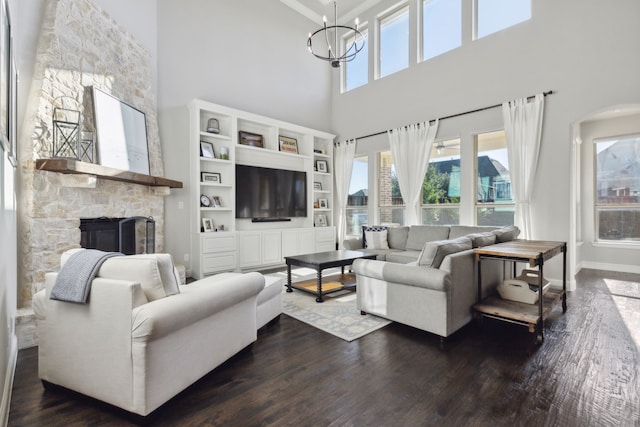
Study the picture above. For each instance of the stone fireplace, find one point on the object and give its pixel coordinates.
(80, 46)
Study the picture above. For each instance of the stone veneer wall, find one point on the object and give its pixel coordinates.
(80, 46)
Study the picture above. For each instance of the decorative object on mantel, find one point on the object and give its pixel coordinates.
(328, 38)
(66, 133)
(87, 147)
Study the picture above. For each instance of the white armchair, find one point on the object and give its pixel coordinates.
(134, 353)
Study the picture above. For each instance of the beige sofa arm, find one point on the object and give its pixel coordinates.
(194, 302)
(412, 275)
(353, 244)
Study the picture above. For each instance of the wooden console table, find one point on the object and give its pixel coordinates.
(536, 253)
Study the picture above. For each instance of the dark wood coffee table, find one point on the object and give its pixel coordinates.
(320, 261)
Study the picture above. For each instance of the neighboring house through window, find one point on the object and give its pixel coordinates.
(441, 186)
(617, 189)
(494, 202)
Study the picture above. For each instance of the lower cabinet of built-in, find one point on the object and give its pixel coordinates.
(229, 251)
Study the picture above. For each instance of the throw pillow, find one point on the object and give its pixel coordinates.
(434, 252)
(506, 234)
(366, 228)
(168, 273)
(377, 239)
(479, 240)
(142, 270)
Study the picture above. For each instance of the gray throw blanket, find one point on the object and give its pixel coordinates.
(73, 283)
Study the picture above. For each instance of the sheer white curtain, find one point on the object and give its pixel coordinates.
(411, 149)
(523, 130)
(343, 155)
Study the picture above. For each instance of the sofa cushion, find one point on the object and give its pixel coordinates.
(397, 237)
(506, 234)
(376, 239)
(434, 252)
(366, 228)
(479, 240)
(463, 230)
(403, 257)
(420, 234)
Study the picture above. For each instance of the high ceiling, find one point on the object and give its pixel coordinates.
(348, 10)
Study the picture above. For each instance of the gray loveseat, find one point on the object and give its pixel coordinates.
(427, 277)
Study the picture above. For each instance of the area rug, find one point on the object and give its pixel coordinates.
(337, 315)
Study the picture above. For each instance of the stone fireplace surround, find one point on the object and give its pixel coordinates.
(79, 46)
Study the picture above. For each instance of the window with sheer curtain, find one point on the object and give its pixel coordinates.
(390, 203)
(441, 186)
(358, 200)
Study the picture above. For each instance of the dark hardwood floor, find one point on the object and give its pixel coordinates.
(586, 373)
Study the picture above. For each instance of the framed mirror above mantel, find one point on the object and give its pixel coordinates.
(71, 166)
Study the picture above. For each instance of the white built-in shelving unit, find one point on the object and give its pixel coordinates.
(240, 244)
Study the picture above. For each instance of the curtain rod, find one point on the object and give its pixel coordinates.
(477, 110)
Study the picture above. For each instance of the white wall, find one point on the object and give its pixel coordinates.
(246, 54)
(585, 51)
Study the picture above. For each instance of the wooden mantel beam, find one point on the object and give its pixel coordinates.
(70, 166)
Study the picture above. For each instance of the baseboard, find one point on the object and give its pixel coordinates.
(8, 381)
(611, 267)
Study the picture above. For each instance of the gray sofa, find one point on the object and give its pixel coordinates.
(427, 277)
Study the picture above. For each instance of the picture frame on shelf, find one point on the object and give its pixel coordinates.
(210, 177)
(322, 221)
(323, 204)
(206, 150)
(207, 225)
(250, 139)
(288, 145)
(316, 205)
(317, 186)
(321, 166)
(217, 203)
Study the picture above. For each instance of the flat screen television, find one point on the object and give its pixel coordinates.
(266, 193)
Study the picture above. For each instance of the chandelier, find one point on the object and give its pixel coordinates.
(327, 39)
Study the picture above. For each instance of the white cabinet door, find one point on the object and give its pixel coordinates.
(306, 241)
(271, 247)
(250, 249)
(290, 243)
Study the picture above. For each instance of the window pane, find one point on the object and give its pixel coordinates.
(495, 215)
(493, 183)
(357, 71)
(441, 184)
(389, 195)
(441, 215)
(618, 188)
(357, 212)
(441, 26)
(493, 180)
(394, 42)
(496, 15)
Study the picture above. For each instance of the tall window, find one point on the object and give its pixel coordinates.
(357, 211)
(617, 189)
(441, 187)
(495, 15)
(394, 41)
(441, 26)
(390, 203)
(356, 72)
(494, 203)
